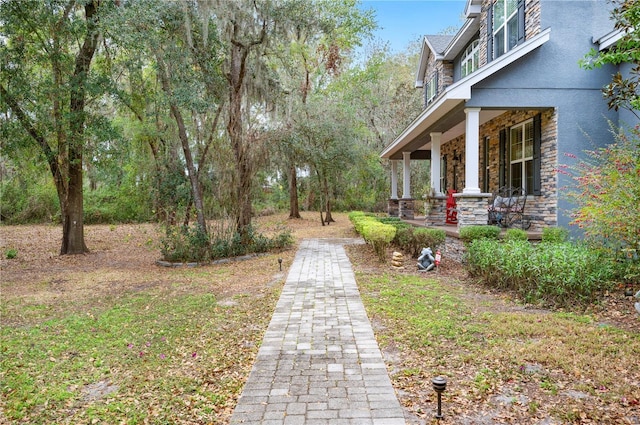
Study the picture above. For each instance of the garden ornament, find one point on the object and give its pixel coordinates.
(426, 261)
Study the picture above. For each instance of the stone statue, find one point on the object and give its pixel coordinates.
(426, 262)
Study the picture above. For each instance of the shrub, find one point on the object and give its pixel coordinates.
(555, 234)
(560, 275)
(185, 244)
(191, 244)
(515, 235)
(379, 235)
(419, 238)
(471, 233)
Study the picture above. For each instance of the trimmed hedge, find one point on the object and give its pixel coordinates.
(471, 233)
(405, 236)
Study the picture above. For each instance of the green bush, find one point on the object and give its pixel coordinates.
(515, 235)
(191, 244)
(555, 234)
(11, 253)
(412, 240)
(560, 275)
(471, 233)
(379, 235)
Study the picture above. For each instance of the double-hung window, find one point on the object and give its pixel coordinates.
(506, 26)
(470, 59)
(521, 156)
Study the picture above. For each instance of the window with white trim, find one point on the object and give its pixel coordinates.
(505, 26)
(431, 89)
(443, 174)
(521, 156)
(470, 59)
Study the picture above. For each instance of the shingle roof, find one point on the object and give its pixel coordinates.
(439, 42)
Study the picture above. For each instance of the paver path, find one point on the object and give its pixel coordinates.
(319, 362)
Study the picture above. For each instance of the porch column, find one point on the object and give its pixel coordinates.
(394, 179)
(435, 163)
(406, 203)
(406, 170)
(471, 151)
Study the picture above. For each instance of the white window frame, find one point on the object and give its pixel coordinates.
(523, 159)
(470, 59)
(431, 89)
(504, 25)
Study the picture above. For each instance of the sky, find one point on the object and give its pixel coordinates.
(404, 21)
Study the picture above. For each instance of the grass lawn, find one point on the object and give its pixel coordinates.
(504, 363)
(112, 338)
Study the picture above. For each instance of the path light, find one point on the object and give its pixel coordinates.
(280, 263)
(439, 385)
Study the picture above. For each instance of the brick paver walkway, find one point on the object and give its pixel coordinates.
(319, 362)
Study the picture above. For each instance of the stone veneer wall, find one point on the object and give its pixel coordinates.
(406, 209)
(438, 212)
(542, 209)
(472, 209)
(393, 207)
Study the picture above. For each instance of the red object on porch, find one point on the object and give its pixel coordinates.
(452, 212)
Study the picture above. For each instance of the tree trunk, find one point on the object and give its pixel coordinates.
(243, 162)
(73, 214)
(184, 140)
(294, 209)
(327, 202)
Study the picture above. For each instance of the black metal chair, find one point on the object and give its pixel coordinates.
(507, 208)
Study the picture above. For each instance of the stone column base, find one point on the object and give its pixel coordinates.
(406, 209)
(472, 208)
(393, 207)
(438, 210)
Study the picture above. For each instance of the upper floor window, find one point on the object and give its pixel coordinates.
(470, 59)
(506, 26)
(431, 89)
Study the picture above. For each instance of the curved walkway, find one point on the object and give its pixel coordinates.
(319, 362)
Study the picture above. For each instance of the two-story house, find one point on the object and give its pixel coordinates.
(506, 103)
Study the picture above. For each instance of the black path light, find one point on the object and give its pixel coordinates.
(439, 385)
(280, 263)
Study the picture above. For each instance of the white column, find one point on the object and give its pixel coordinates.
(406, 177)
(394, 179)
(472, 151)
(435, 163)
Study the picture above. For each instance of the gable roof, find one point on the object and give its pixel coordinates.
(438, 43)
(447, 47)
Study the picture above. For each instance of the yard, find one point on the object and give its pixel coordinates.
(111, 337)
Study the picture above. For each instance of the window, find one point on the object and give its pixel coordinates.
(521, 156)
(485, 164)
(506, 27)
(443, 174)
(470, 59)
(431, 89)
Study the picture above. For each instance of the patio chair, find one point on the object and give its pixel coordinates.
(507, 208)
(452, 212)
